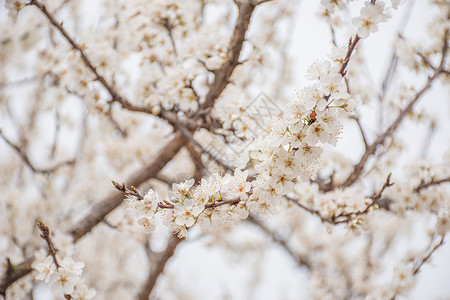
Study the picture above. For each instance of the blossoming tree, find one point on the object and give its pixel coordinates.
(163, 98)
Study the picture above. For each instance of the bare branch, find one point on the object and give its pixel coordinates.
(14, 273)
(100, 209)
(45, 235)
(428, 256)
(351, 47)
(197, 160)
(361, 130)
(18, 82)
(157, 266)
(223, 74)
(424, 185)
(116, 125)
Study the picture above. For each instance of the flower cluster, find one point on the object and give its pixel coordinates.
(67, 273)
(218, 197)
(372, 14)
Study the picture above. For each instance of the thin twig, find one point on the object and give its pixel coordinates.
(14, 273)
(18, 82)
(45, 235)
(428, 256)
(424, 185)
(132, 191)
(361, 130)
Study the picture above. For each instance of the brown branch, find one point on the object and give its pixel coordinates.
(223, 74)
(19, 82)
(351, 47)
(166, 204)
(424, 185)
(361, 130)
(45, 235)
(116, 125)
(166, 24)
(111, 90)
(157, 266)
(14, 273)
(197, 160)
(375, 198)
(427, 257)
(100, 209)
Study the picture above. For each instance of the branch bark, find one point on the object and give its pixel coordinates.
(104, 207)
(223, 74)
(157, 267)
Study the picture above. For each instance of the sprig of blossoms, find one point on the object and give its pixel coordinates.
(63, 270)
(187, 205)
(67, 274)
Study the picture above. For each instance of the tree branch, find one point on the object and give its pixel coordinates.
(361, 130)
(427, 257)
(424, 185)
(100, 209)
(223, 74)
(14, 273)
(157, 266)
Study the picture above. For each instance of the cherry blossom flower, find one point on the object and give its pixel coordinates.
(46, 269)
(371, 16)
